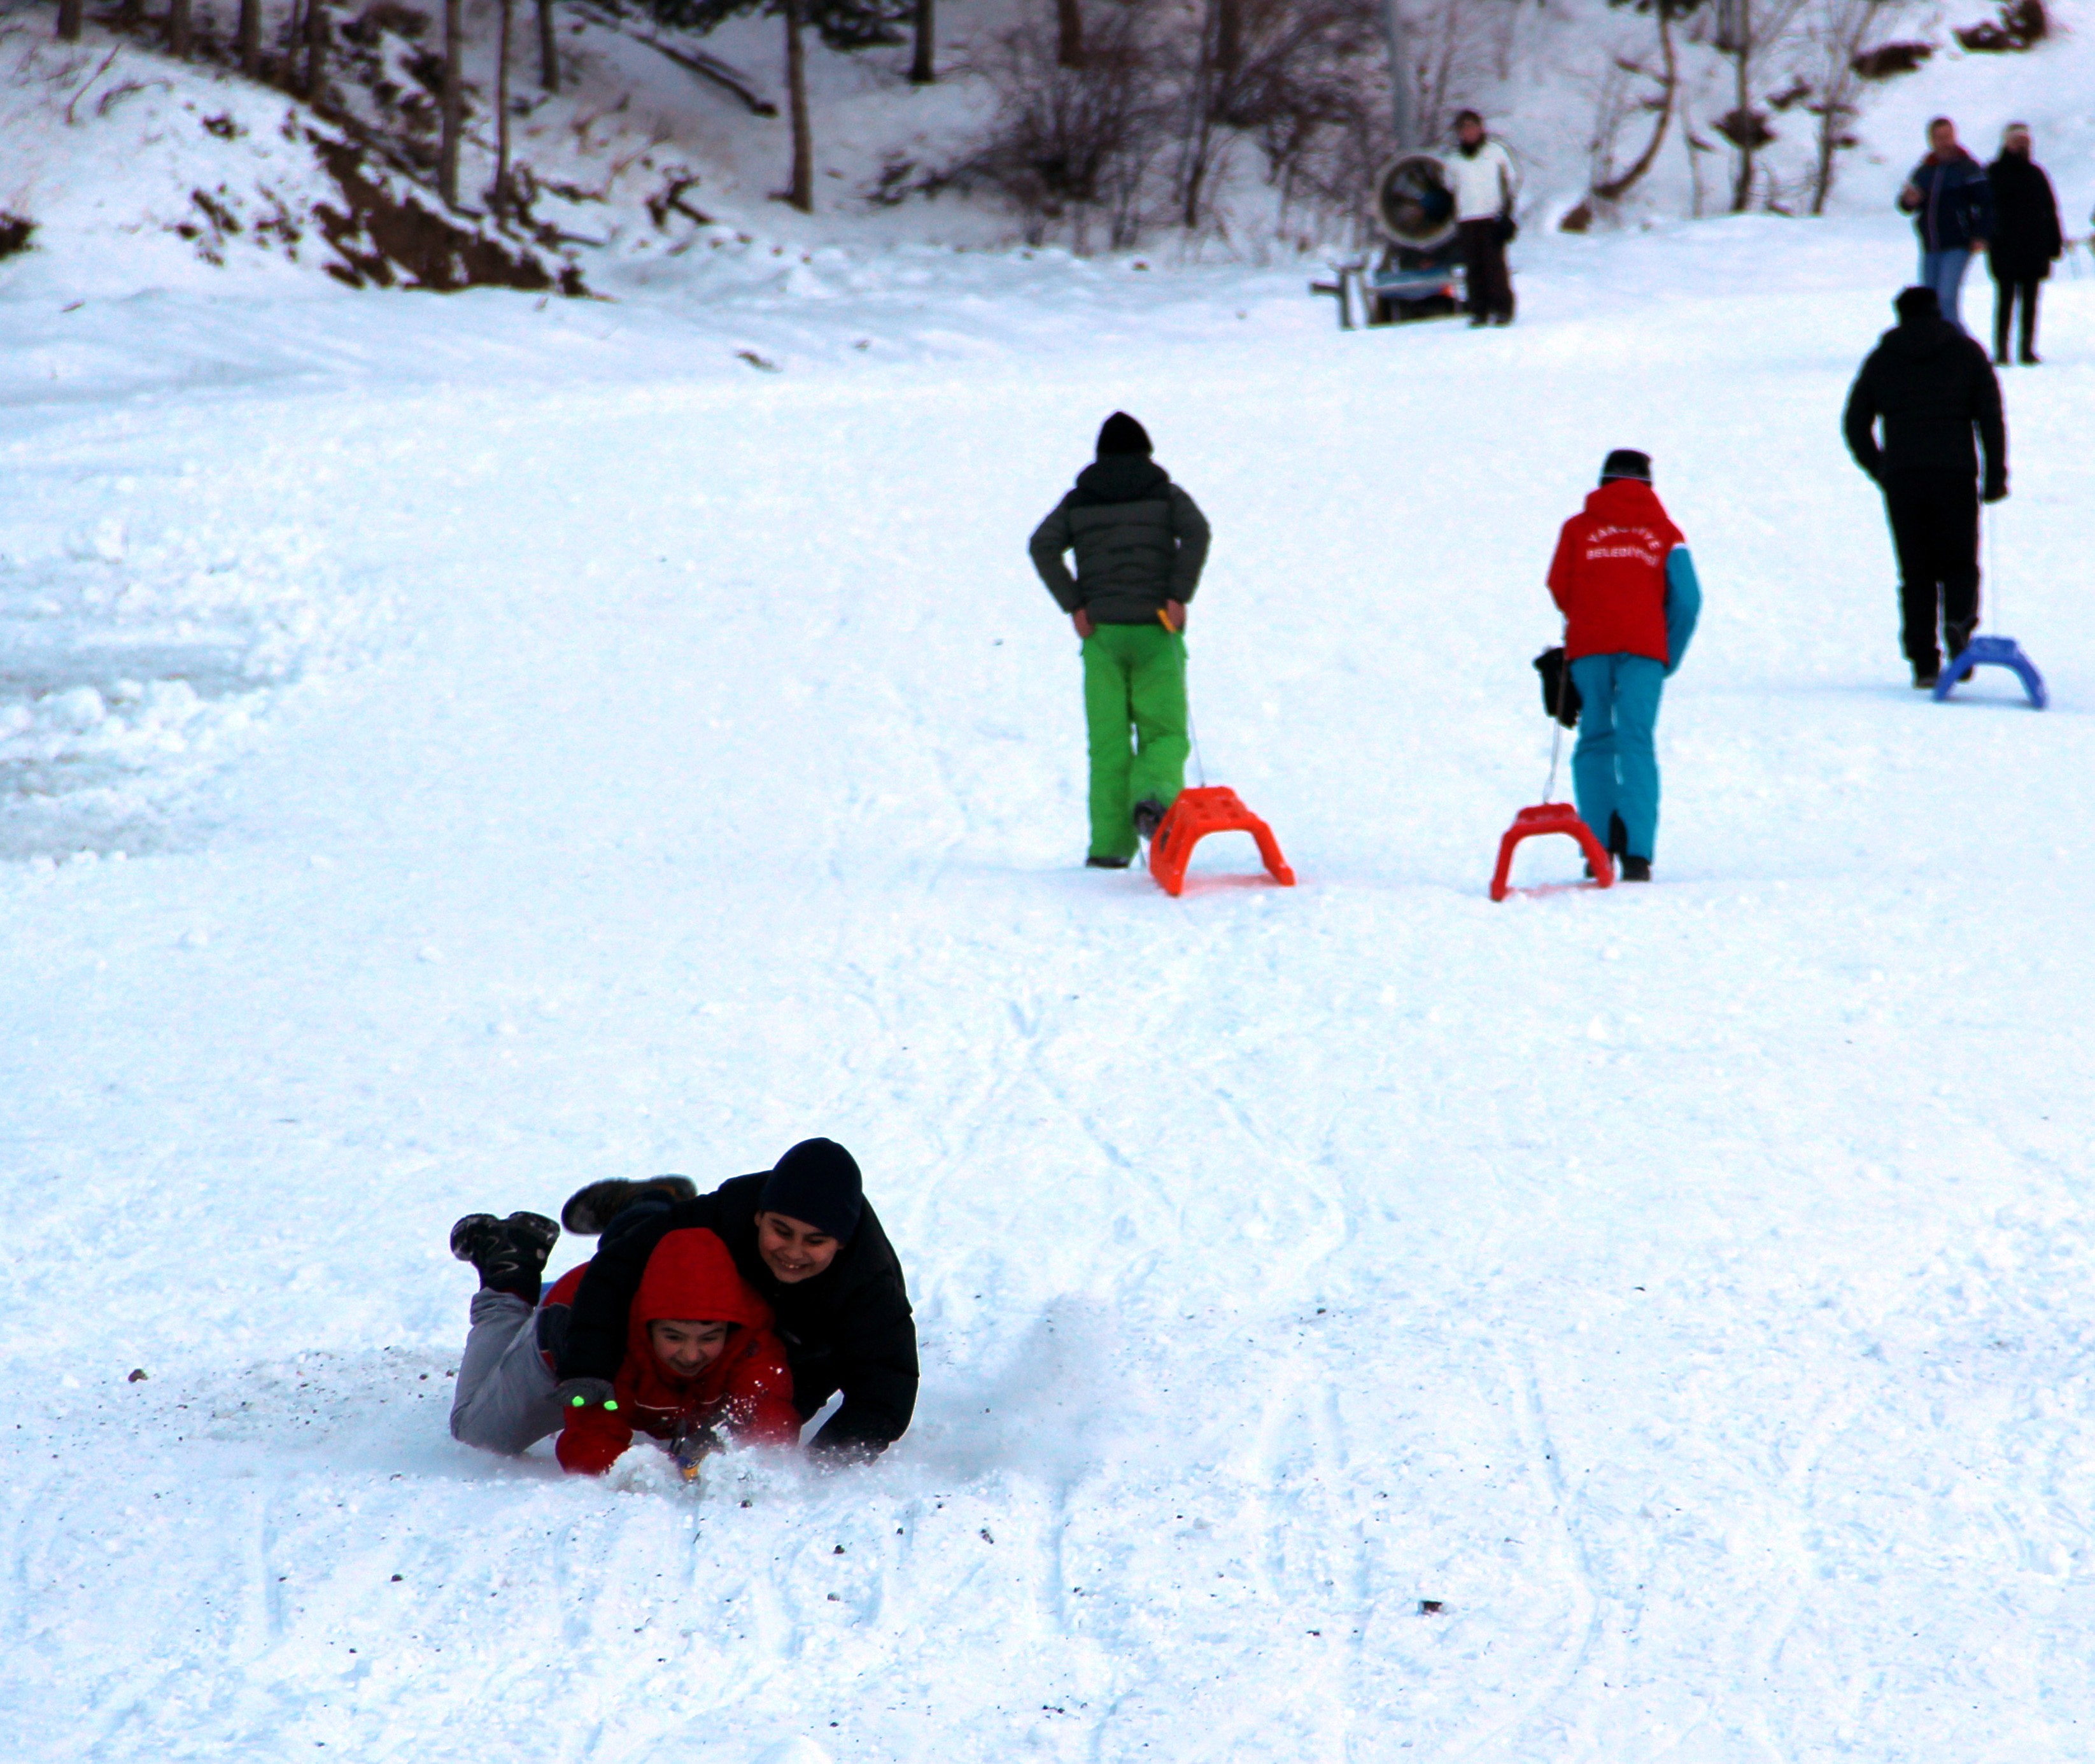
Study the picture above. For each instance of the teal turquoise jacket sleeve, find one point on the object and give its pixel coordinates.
(1684, 605)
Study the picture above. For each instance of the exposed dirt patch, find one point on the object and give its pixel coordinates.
(15, 233)
(385, 237)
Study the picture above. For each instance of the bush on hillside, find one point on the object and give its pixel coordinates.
(14, 232)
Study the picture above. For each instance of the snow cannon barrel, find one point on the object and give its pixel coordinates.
(1413, 206)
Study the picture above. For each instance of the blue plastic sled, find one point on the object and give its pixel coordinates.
(1997, 652)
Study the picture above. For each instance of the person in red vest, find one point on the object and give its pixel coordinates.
(700, 1360)
(1626, 587)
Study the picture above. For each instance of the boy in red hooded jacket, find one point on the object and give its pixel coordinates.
(699, 1353)
(1626, 587)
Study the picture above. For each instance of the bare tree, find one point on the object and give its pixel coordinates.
(1749, 33)
(549, 48)
(249, 32)
(1835, 31)
(316, 48)
(801, 191)
(921, 70)
(179, 31)
(69, 20)
(1610, 185)
(454, 102)
(1070, 32)
(499, 196)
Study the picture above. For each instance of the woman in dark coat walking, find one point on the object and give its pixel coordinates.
(2026, 238)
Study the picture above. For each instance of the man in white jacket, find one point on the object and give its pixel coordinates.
(1485, 184)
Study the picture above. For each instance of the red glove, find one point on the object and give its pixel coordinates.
(595, 1437)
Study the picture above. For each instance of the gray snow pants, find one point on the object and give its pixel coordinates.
(505, 1399)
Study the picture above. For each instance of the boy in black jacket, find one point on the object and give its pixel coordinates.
(803, 1236)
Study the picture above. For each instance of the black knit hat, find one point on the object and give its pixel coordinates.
(1913, 304)
(1627, 462)
(1122, 434)
(816, 1183)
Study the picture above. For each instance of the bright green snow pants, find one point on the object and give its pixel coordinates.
(1134, 680)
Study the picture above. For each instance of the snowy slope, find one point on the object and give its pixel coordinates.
(613, 758)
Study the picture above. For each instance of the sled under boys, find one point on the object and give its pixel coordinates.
(1626, 586)
(697, 1353)
(803, 1236)
(1140, 542)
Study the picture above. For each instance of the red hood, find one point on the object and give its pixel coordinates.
(692, 1278)
(1628, 502)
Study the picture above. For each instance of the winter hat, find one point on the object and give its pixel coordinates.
(1914, 304)
(816, 1183)
(1627, 462)
(1122, 433)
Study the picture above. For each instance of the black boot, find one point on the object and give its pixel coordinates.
(1148, 818)
(1107, 863)
(589, 1210)
(1636, 869)
(509, 1255)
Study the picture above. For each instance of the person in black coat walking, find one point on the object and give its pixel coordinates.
(2026, 238)
(1932, 386)
(803, 1235)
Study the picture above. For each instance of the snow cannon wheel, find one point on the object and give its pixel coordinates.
(1198, 813)
(1550, 817)
(1414, 206)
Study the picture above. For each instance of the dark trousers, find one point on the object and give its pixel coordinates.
(1489, 287)
(1934, 530)
(2005, 294)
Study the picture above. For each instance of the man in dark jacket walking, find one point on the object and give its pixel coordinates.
(1932, 386)
(1140, 543)
(2026, 238)
(1952, 208)
(803, 1236)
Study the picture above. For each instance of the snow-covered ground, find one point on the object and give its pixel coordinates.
(541, 745)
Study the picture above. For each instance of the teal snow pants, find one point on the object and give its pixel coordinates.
(1614, 768)
(1134, 684)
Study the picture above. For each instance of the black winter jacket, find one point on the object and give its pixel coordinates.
(1139, 540)
(1933, 385)
(1956, 202)
(2027, 236)
(848, 1329)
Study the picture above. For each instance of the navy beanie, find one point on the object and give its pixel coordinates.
(1122, 434)
(1627, 462)
(816, 1183)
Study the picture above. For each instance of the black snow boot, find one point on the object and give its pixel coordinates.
(589, 1210)
(1106, 862)
(508, 1254)
(1636, 869)
(1148, 818)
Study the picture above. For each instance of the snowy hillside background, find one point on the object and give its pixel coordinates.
(454, 749)
(141, 171)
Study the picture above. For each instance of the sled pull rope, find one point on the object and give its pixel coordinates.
(1557, 728)
(1192, 729)
(1988, 528)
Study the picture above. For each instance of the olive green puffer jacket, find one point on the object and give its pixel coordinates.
(1138, 538)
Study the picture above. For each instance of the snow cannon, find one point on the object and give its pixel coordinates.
(1417, 275)
(1414, 206)
(1199, 812)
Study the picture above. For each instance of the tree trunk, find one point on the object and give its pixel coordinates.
(178, 29)
(1069, 27)
(1617, 187)
(549, 48)
(454, 117)
(317, 40)
(249, 33)
(1742, 59)
(499, 197)
(802, 194)
(69, 12)
(1229, 38)
(921, 71)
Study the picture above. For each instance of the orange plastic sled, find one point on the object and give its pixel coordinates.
(1549, 817)
(1198, 813)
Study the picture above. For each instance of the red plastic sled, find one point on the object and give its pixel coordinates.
(1198, 813)
(1550, 817)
